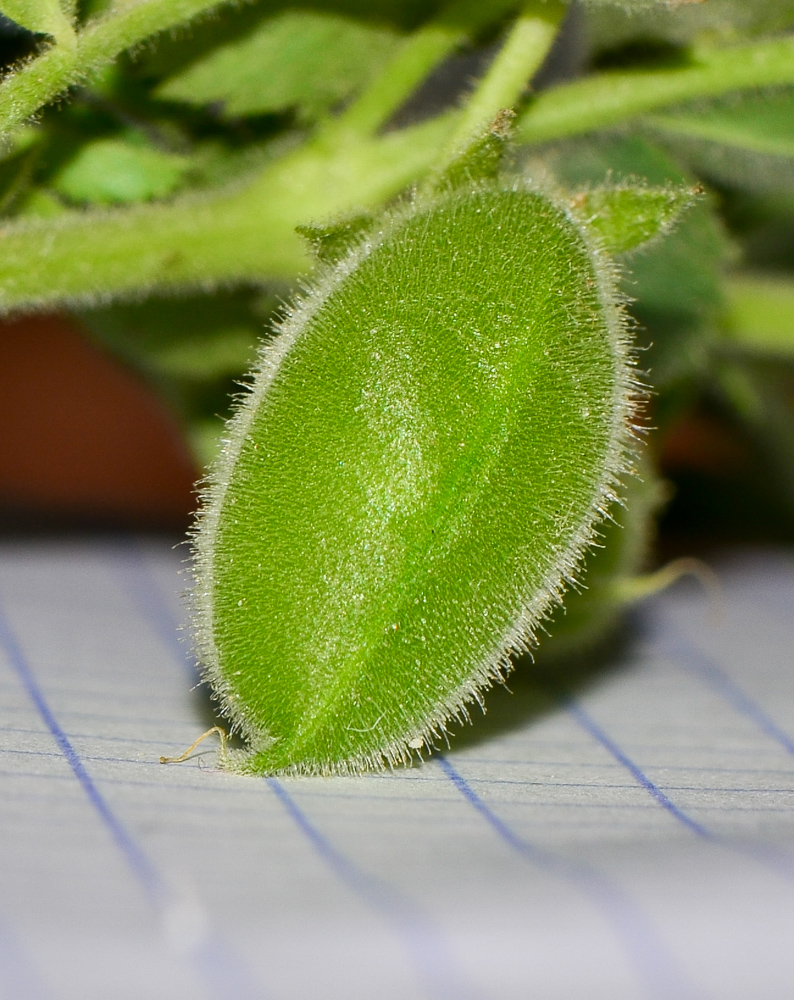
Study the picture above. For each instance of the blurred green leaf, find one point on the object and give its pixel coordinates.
(195, 337)
(759, 122)
(17, 164)
(193, 348)
(588, 614)
(629, 215)
(759, 314)
(44, 17)
(761, 393)
(300, 59)
(169, 54)
(675, 284)
(746, 140)
(41, 203)
(228, 351)
(615, 24)
(115, 171)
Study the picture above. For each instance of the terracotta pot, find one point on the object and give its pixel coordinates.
(83, 439)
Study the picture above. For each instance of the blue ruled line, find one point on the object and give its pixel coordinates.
(687, 656)
(770, 857)
(141, 587)
(691, 659)
(19, 978)
(209, 954)
(427, 950)
(653, 965)
(589, 724)
(135, 858)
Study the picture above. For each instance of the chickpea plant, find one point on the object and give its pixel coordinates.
(439, 426)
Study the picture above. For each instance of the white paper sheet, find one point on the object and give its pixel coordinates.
(635, 841)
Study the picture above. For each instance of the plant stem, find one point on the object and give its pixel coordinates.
(418, 56)
(607, 99)
(247, 233)
(42, 79)
(519, 58)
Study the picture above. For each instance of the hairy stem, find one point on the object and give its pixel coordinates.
(607, 99)
(246, 233)
(418, 56)
(520, 57)
(42, 79)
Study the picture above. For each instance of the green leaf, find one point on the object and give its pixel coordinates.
(416, 473)
(189, 338)
(333, 241)
(41, 16)
(747, 141)
(602, 100)
(627, 216)
(480, 158)
(168, 55)
(115, 171)
(634, 7)
(761, 391)
(41, 204)
(17, 165)
(302, 60)
(78, 57)
(591, 612)
(194, 349)
(612, 24)
(759, 314)
(675, 283)
(229, 352)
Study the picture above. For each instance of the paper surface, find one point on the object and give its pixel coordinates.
(636, 841)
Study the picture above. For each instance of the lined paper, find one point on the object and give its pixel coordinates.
(628, 835)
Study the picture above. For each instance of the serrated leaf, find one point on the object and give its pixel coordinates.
(300, 59)
(114, 171)
(627, 216)
(40, 16)
(747, 140)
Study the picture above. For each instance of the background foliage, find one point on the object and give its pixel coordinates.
(157, 157)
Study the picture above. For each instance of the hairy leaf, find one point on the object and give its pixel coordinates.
(592, 611)
(416, 473)
(628, 216)
(676, 284)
